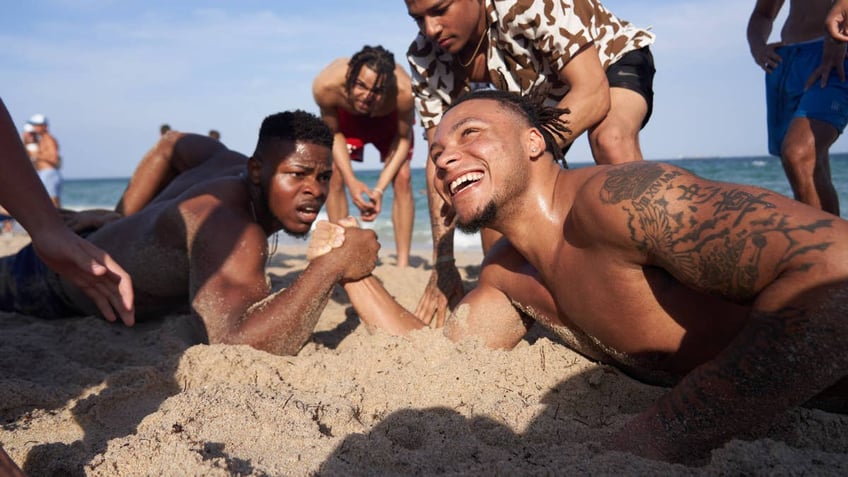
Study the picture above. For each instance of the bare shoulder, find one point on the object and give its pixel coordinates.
(328, 82)
(705, 231)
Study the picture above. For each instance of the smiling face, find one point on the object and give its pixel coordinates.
(478, 149)
(448, 23)
(294, 177)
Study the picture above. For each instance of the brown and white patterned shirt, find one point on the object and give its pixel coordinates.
(529, 42)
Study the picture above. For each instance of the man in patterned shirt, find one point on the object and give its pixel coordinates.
(576, 53)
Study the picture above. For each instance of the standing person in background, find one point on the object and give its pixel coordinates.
(47, 161)
(30, 140)
(368, 99)
(806, 94)
(575, 53)
(88, 267)
(214, 134)
(164, 128)
(837, 20)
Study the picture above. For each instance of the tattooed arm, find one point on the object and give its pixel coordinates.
(787, 260)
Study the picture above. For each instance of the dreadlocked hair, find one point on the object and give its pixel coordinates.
(294, 126)
(377, 58)
(548, 120)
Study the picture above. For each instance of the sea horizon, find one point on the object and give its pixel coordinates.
(763, 171)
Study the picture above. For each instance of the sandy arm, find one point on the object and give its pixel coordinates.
(230, 293)
(748, 245)
(485, 313)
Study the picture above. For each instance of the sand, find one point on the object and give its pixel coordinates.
(86, 397)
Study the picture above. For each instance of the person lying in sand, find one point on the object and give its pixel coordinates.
(735, 295)
(197, 217)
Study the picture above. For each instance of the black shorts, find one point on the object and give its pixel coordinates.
(635, 71)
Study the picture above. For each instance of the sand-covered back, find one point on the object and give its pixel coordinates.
(83, 396)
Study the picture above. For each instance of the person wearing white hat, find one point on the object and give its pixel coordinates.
(46, 159)
(68, 254)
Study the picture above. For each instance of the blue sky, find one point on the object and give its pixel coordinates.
(107, 73)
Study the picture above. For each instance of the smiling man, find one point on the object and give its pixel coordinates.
(575, 53)
(733, 295)
(367, 99)
(194, 238)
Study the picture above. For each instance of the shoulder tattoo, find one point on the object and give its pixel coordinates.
(709, 235)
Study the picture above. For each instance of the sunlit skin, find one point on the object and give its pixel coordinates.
(612, 117)
(370, 97)
(732, 294)
(203, 213)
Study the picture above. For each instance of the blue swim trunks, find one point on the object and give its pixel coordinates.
(29, 287)
(786, 98)
(52, 180)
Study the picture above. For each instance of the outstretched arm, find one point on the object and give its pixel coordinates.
(787, 260)
(85, 265)
(175, 152)
(232, 297)
(485, 314)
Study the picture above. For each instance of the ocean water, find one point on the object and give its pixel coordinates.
(763, 171)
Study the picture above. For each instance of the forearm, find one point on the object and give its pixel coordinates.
(21, 192)
(587, 105)
(399, 154)
(781, 359)
(378, 309)
(341, 159)
(759, 28)
(283, 322)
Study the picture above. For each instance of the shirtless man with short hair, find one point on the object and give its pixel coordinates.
(194, 238)
(46, 159)
(368, 99)
(735, 295)
(806, 94)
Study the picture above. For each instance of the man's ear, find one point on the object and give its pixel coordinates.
(536, 146)
(254, 170)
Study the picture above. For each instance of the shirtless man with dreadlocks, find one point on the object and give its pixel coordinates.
(368, 99)
(734, 296)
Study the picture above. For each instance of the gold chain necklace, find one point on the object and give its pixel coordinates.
(477, 49)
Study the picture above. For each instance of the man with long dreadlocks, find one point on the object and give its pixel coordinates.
(734, 296)
(194, 237)
(368, 99)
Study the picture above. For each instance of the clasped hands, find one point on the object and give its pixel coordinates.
(353, 248)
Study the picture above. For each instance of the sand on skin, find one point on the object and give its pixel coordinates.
(85, 397)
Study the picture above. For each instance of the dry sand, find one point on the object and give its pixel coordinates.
(83, 396)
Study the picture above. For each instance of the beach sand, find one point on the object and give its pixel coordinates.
(83, 396)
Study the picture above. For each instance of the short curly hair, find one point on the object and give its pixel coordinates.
(296, 125)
